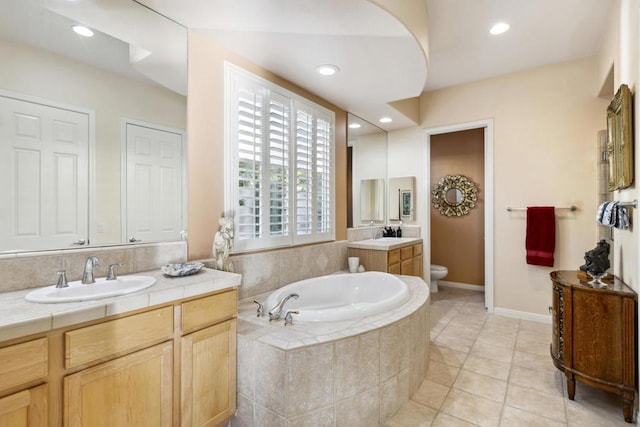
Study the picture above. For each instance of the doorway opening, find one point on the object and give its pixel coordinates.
(486, 194)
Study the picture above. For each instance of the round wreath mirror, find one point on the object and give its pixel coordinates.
(454, 195)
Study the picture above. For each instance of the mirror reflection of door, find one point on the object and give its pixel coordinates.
(44, 174)
(155, 184)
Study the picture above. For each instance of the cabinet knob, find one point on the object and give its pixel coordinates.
(550, 309)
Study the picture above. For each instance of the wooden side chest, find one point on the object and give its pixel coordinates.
(594, 335)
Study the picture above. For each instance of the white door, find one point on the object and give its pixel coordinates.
(154, 184)
(44, 176)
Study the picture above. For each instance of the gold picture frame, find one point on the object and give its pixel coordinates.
(620, 139)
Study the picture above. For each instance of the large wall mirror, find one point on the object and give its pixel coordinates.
(92, 128)
(368, 145)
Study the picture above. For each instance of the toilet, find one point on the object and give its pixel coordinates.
(437, 272)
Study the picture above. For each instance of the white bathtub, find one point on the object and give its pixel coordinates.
(342, 296)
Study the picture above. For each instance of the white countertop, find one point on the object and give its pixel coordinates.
(18, 317)
(384, 243)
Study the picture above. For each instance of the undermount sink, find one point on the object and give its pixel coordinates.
(102, 288)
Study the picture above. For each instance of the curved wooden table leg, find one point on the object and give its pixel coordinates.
(571, 386)
(628, 404)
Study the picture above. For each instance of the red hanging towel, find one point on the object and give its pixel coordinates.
(541, 235)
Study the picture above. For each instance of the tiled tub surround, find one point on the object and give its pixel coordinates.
(19, 317)
(25, 270)
(351, 373)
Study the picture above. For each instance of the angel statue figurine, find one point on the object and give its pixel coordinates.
(222, 244)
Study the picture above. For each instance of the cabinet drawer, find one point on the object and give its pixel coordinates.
(406, 253)
(417, 249)
(117, 336)
(394, 257)
(23, 363)
(209, 310)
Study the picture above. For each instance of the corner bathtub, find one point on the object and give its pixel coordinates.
(357, 371)
(339, 297)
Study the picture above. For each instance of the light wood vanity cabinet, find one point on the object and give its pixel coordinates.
(406, 260)
(21, 366)
(208, 377)
(162, 366)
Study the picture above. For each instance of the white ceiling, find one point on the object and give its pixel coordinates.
(379, 61)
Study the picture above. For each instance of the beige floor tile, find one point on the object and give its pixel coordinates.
(461, 331)
(478, 361)
(481, 385)
(489, 367)
(492, 352)
(431, 394)
(499, 340)
(501, 328)
(533, 347)
(442, 373)
(455, 343)
(444, 420)
(412, 415)
(537, 336)
(535, 326)
(535, 401)
(472, 408)
(447, 355)
(548, 382)
(513, 417)
(533, 361)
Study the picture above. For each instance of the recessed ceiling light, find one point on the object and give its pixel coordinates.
(355, 125)
(386, 120)
(499, 28)
(327, 69)
(82, 30)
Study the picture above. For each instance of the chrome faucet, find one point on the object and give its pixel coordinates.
(276, 312)
(87, 274)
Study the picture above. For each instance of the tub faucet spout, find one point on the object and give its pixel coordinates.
(276, 312)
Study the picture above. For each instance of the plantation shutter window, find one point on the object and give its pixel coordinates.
(280, 161)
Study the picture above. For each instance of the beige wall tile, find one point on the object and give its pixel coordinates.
(362, 410)
(270, 378)
(357, 364)
(310, 379)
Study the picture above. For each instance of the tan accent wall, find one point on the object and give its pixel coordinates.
(205, 126)
(458, 242)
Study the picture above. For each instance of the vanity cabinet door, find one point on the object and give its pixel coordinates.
(208, 377)
(26, 408)
(130, 391)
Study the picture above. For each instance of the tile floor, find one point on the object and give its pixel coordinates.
(488, 370)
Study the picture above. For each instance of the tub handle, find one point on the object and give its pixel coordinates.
(288, 318)
(260, 309)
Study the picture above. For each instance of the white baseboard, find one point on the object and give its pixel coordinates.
(467, 286)
(542, 318)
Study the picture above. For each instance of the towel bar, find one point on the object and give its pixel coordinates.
(572, 208)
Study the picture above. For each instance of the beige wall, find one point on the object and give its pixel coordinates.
(620, 50)
(35, 72)
(205, 124)
(458, 242)
(545, 133)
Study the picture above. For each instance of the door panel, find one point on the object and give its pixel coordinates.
(44, 175)
(155, 184)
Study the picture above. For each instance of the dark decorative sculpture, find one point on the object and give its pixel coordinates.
(597, 259)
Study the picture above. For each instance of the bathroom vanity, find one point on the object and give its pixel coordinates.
(164, 356)
(389, 254)
(594, 335)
